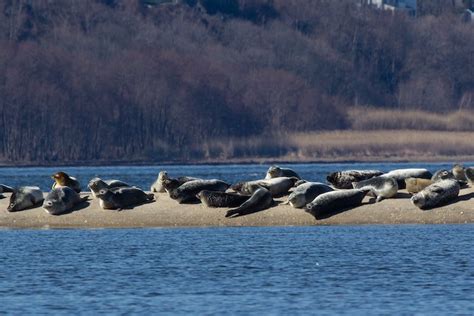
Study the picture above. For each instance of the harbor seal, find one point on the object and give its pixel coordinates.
(260, 200)
(415, 185)
(459, 172)
(25, 197)
(169, 184)
(186, 193)
(442, 174)
(221, 199)
(157, 186)
(306, 192)
(401, 174)
(61, 200)
(6, 189)
(96, 184)
(62, 179)
(344, 179)
(382, 187)
(335, 202)
(278, 187)
(469, 174)
(276, 172)
(438, 193)
(123, 197)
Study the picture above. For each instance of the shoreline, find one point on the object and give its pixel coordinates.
(165, 212)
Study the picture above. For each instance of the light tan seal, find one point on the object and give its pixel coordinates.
(415, 185)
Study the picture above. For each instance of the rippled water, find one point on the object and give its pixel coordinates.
(295, 270)
(144, 176)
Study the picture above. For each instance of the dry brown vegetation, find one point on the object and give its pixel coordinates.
(102, 80)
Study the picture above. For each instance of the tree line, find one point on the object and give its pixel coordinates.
(128, 80)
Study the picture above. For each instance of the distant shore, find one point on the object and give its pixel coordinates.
(168, 213)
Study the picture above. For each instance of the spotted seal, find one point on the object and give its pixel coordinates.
(278, 187)
(123, 197)
(6, 189)
(61, 200)
(415, 185)
(440, 192)
(221, 199)
(469, 171)
(25, 197)
(277, 172)
(62, 179)
(186, 193)
(344, 179)
(96, 184)
(459, 173)
(335, 201)
(261, 199)
(306, 192)
(382, 187)
(401, 174)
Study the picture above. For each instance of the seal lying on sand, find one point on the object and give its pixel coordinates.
(469, 174)
(123, 197)
(415, 185)
(260, 200)
(276, 172)
(444, 174)
(382, 187)
(401, 174)
(159, 184)
(186, 193)
(221, 199)
(459, 173)
(97, 184)
(24, 197)
(61, 200)
(438, 193)
(62, 179)
(336, 201)
(6, 188)
(344, 179)
(278, 187)
(306, 192)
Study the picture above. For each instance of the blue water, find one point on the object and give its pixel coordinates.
(144, 176)
(296, 270)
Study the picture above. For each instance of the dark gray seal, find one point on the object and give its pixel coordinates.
(401, 174)
(6, 189)
(186, 193)
(438, 193)
(97, 184)
(260, 200)
(382, 187)
(306, 192)
(444, 174)
(61, 200)
(278, 187)
(277, 172)
(25, 197)
(335, 202)
(344, 179)
(159, 184)
(123, 197)
(469, 174)
(221, 199)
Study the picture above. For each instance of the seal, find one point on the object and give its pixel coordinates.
(276, 172)
(335, 202)
(96, 184)
(415, 185)
(278, 187)
(186, 193)
(438, 193)
(306, 192)
(344, 179)
(157, 186)
(459, 173)
(221, 199)
(401, 174)
(442, 174)
(169, 184)
(469, 174)
(6, 188)
(382, 187)
(123, 197)
(260, 200)
(64, 180)
(25, 197)
(61, 200)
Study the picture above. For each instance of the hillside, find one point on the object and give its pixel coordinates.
(154, 81)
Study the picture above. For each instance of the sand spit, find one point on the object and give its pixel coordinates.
(165, 212)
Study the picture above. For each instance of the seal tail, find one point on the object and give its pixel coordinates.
(233, 213)
(150, 196)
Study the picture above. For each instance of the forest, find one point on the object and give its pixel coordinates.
(105, 81)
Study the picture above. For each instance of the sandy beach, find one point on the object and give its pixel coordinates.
(165, 212)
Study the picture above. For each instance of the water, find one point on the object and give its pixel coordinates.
(295, 270)
(144, 176)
